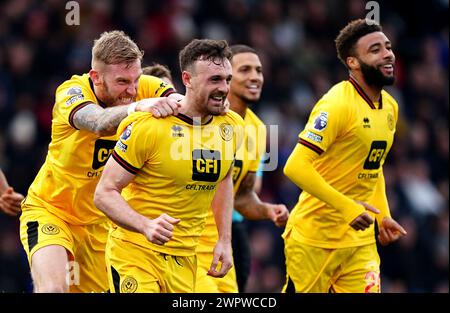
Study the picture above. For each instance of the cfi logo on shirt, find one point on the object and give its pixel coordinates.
(321, 122)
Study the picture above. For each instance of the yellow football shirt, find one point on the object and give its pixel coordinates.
(353, 136)
(66, 182)
(247, 160)
(177, 167)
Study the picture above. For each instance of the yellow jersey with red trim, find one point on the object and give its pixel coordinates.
(352, 136)
(247, 160)
(66, 182)
(178, 165)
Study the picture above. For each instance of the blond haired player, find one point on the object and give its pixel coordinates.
(62, 232)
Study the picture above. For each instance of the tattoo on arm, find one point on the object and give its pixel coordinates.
(101, 121)
(247, 201)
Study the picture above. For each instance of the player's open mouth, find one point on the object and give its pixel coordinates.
(218, 99)
(254, 88)
(388, 69)
(126, 100)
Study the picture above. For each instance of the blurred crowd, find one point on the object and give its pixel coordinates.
(295, 40)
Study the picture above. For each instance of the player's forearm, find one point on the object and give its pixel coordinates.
(222, 206)
(117, 209)
(299, 169)
(379, 199)
(3, 183)
(102, 122)
(250, 206)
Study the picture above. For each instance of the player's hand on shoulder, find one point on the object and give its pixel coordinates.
(160, 230)
(159, 107)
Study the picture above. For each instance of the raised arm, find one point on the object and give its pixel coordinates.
(104, 122)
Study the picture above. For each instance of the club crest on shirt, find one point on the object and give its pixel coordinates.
(321, 122)
(129, 285)
(50, 229)
(126, 133)
(226, 131)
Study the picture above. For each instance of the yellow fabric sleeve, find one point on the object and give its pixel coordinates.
(299, 169)
(379, 199)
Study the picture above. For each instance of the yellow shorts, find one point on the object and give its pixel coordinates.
(132, 268)
(86, 246)
(344, 270)
(206, 283)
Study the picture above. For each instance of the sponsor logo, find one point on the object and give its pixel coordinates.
(177, 131)
(321, 122)
(74, 99)
(102, 150)
(126, 133)
(123, 147)
(50, 229)
(314, 137)
(366, 122)
(205, 165)
(161, 86)
(376, 154)
(226, 131)
(129, 285)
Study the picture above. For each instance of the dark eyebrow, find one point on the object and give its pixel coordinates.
(387, 42)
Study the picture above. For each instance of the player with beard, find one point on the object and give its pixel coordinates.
(62, 232)
(166, 175)
(245, 90)
(329, 239)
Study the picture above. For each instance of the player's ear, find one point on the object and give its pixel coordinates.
(186, 77)
(95, 77)
(352, 63)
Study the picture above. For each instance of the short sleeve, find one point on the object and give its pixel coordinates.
(327, 121)
(136, 142)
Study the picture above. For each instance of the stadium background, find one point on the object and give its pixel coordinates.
(294, 38)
